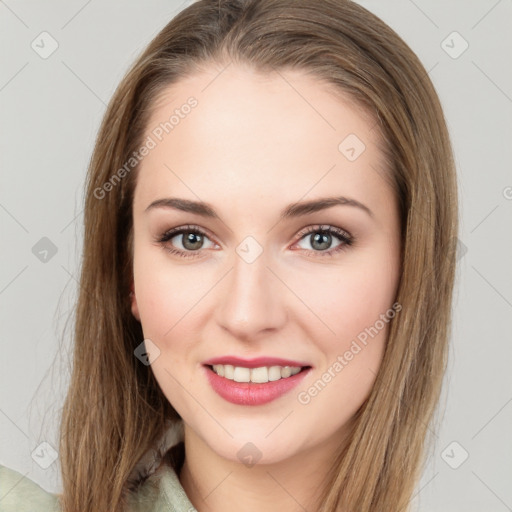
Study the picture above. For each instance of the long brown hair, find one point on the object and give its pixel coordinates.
(115, 409)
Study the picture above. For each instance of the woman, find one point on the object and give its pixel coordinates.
(264, 309)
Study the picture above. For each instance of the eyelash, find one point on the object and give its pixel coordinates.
(346, 239)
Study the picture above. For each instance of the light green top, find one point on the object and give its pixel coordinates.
(162, 491)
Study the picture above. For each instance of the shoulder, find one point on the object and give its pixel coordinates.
(20, 494)
(162, 491)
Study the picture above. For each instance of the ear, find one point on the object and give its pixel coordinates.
(133, 300)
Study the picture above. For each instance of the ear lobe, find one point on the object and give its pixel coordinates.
(133, 301)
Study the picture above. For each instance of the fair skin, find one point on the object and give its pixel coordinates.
(252, 146)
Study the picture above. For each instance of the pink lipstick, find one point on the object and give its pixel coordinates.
(275, 376)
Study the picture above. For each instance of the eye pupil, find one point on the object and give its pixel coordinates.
(192, 241)
(323, 239)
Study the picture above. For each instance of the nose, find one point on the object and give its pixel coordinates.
(251, 300)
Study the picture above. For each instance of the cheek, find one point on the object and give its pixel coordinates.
(166, 294)
(356, 303)
(360, 315)
(346, 300)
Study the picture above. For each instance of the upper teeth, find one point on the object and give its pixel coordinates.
(260, 375)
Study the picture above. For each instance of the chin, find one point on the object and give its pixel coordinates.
(255, 447)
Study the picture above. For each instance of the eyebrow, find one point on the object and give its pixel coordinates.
(297, 209)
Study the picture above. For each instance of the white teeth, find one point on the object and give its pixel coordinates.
(228, 371)
(242, 374)
(261, 374)
(274, 373)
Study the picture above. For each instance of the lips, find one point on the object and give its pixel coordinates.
(254, 363)
(253, 393)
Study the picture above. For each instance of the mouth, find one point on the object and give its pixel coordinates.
(254, 383)
(258, 375)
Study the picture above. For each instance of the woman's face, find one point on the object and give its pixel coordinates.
(244, 166)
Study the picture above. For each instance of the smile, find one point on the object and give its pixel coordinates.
(253, 386)
(260, 375)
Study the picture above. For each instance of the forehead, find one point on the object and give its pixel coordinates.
(238, 96)
(257, 131)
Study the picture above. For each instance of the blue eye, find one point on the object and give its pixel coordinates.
(194, 237)
(323, 236)
(192, 240)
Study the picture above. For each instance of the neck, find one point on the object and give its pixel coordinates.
(214, 483)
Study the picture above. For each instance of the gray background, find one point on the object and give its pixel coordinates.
(50, 112)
